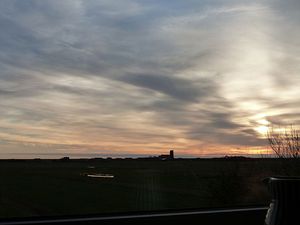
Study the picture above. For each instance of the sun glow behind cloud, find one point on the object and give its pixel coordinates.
(131, 77)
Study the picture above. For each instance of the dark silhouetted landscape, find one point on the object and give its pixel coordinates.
(43, 187)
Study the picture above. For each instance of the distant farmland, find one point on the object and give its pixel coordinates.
(57, 187)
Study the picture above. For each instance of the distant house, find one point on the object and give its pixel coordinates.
(65, 158)
(167, 157)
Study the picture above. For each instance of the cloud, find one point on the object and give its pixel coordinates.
(131, 76)
(178, 88)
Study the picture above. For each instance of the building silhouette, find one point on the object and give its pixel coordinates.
(170, 156)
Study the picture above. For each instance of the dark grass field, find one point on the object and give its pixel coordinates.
(57, 187)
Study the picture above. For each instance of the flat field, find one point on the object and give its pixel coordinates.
(58, 187)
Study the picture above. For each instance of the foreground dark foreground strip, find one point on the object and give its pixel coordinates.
(236, 216)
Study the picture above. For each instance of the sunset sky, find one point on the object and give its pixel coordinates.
(141, 77)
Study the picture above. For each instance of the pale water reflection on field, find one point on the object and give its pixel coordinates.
(101, 175)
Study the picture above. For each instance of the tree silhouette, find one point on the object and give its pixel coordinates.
(285, 142)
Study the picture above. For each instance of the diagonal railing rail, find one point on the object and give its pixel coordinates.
(230, 216)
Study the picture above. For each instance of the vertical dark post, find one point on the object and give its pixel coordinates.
(171, 154)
